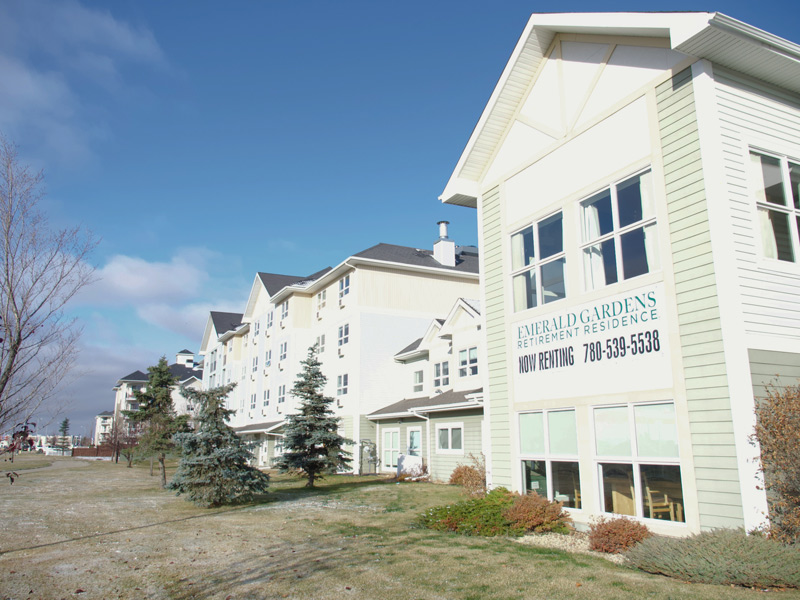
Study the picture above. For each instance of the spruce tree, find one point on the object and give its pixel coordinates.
(156, 415)
(311, 440)
(214, 468)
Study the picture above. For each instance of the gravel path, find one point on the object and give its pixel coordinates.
(575, 542)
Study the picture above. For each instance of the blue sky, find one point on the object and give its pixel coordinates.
(205, 141)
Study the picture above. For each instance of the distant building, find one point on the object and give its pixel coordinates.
(103, 423)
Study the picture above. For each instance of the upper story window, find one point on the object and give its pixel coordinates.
(341, 385)
(266, 397)
(281, 394)
(344, 286)
(538, 262)
(441, 374)
(418, 383)
(256, 328)
(255, 364)
(284, 350)
(344, 334)
(268, 358)
(777, 193)
(252, 401)
(320, 343)
(284, 309)
(618, 228)
(269, 320)
(321, 299)
(468, 362)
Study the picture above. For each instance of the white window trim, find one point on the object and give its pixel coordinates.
(468, 366)
(408, 439)
(635, 461)
(538, 263)
(384, 466)
(450, 427)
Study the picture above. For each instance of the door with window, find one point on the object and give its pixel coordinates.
(414, 441)
(391, 449)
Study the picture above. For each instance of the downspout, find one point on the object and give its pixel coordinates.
(428, 435)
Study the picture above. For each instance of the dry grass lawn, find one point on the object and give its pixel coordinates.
(98, 530)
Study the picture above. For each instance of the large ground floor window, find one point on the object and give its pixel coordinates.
(549, 451)
(636, 449)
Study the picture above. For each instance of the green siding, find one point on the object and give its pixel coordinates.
(768, 366)
(440, 466)
(496, 338)
(702, 349)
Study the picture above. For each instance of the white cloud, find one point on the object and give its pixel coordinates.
(49, 50)
(129, 280)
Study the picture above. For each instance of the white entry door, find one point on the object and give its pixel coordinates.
(391, 449)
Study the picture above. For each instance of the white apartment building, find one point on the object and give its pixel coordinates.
(438, 419)
(184, 369)
(358, 313)
(102, 427)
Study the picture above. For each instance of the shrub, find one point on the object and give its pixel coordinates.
(537, 514)
(777, 433)
(499, 512)
(471, 477)
(616, 535)
(723, 556)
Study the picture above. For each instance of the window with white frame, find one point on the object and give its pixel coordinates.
(321, 299)
(414, 441)
(321, 343)
(256, 329)
(341, 385)
(418, 384)
(344, 286)
(441, 374)
(284, 350)
(266, 397)
(255, 364)
(638, 466)
(344, 334)
(548, 447)
(776, 182)
(450, 438)
(468, 362)
(391, 448)
(252, 401)
(281, 394)
(268, 358)
(269, 320)
(538, 263)
(284, 309)
(619, 234)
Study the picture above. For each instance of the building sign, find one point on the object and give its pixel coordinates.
(617, 344)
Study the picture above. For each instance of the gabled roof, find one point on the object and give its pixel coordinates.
(135, 376)
(410, 349)
(186, 352)
(274, 283)
(225, 321)
(449, 400)
(712, 36)
(466, 262)
(184, 373)
(106, 413)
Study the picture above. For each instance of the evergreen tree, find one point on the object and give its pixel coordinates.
(311, 441)
(214, 468)
(63, 440)
(156, 416)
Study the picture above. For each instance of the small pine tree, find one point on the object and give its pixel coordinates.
(311, 440)
(63, 440)
(214, 467)
(156, 415)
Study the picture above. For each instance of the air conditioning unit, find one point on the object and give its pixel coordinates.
(319, 316)
(280, 366)
(341, 351)
(341, 302)
(266, 371)
(283, 325)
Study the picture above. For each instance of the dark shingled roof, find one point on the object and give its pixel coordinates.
(186, 352)
(106, 413)
(274, 282)
(466, 260)
(256, 427)
(444, 398)
(412, 346)
(135, 376)
(225, 321)
(182, 372)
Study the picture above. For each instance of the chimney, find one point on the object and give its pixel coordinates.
(444, 249)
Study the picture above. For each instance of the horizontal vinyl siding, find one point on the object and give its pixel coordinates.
(496, 340)
(699, 325)
(749, 109)
(441, 466)
(767, 366)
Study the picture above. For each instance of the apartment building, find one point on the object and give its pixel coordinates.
(638, 201)
(437, 421)
(358, 313)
